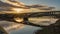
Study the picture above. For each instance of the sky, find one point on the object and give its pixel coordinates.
(53, 3)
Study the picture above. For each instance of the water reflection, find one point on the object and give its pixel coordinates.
(28, 29)
(24, 29)
(44, 21)
(14, 28)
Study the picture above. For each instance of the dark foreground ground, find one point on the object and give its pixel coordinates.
(52, 29)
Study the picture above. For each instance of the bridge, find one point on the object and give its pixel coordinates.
(51, 13)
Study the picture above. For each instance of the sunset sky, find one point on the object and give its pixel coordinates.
(53, 3)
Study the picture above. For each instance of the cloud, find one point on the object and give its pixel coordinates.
(16, 3)
(5, 9)
(35, 6)
(41, 7)
(6, 6)
(46, 8)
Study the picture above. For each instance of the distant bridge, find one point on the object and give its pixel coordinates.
(51, 13)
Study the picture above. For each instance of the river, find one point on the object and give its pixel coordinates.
(27, 29)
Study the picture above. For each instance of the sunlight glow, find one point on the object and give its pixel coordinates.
(17, 10)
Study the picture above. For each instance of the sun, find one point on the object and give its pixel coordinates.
(17, 10)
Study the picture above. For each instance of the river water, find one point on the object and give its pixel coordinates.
(27, 29)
